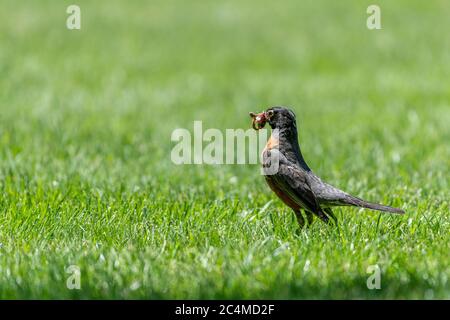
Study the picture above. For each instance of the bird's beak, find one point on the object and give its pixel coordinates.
(258, 120)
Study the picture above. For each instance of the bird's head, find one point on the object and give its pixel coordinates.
(277, 117)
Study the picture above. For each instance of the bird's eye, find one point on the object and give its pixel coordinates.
(269, 113)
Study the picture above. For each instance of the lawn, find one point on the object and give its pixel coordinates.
(86, 177)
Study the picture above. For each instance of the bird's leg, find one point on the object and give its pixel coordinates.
(330, 213)
(322, 216)
(300, 219)
(309, 217)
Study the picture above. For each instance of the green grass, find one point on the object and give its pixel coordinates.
(85, 171)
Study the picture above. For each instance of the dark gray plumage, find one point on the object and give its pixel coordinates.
(293, 181)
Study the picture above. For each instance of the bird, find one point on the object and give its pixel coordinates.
(291, 179)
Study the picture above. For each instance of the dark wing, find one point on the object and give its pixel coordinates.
(294, 183)
(327, 195)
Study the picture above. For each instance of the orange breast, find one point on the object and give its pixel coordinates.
(283, 196)
(272, 143)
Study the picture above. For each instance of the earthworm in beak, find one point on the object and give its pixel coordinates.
(259, 120)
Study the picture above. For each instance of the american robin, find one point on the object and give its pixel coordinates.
(291, 178)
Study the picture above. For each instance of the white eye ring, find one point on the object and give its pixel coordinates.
(270, 113)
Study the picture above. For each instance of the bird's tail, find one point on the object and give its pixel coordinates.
(354, 201)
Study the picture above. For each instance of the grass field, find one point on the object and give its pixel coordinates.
(86, 119)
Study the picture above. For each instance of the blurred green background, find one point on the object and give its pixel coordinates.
(85, 123)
